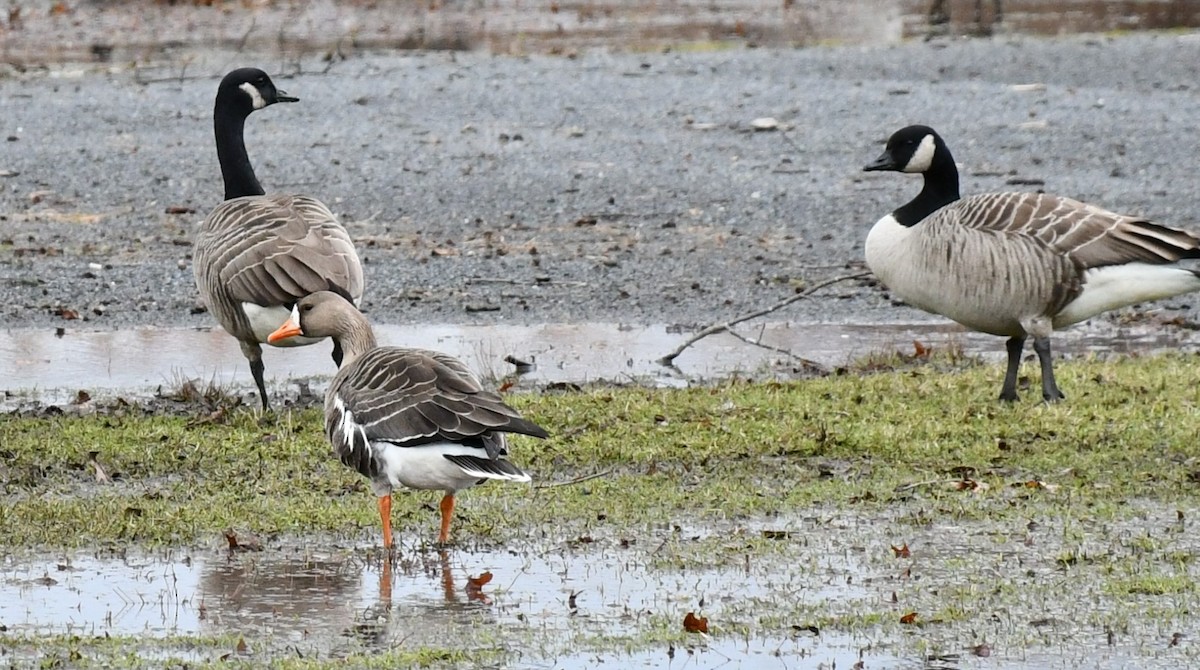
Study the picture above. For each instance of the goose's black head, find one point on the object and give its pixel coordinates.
(919, 149)
(248, 89)
(911, 149)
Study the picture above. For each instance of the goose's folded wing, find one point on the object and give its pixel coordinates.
(410, 397)
(1089, 235)
(272, 250)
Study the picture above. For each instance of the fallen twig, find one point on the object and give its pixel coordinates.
(367, 220)
(495, 280)
(920, 485)
(578, 480)
(726, 326)
(525, 282)
(779, 350)
(583, 428)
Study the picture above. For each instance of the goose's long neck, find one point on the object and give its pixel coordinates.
(231, 152)
(941, 189)
(356, 337)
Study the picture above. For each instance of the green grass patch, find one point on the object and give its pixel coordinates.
(774, 509)
(1152, 585)
(671, 457)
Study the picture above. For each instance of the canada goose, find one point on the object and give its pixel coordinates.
(256, 254)
(407, 417)
(1016, 264)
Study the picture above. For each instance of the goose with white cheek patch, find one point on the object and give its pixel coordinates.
(1016, 264)
(257, 254)
(407, 417)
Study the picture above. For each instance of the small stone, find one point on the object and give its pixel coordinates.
(765, 123)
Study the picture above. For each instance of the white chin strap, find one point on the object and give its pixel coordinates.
(922, 158)
(256, 98)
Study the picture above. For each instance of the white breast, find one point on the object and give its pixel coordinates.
(912, 261)
(885, 248)
(891, 252)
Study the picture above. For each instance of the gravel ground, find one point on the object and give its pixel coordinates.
(598, 187)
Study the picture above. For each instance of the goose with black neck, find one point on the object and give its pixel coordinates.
(1017, 265)
(257, 254)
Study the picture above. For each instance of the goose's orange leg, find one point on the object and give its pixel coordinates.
(385, 513)
(448, 591)
(385, 582)
(447, 512)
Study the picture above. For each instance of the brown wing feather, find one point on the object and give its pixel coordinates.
(412, 396)
(1091, 236)
(275, 249)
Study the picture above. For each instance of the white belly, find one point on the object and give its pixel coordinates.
(424, 467)
(1117, 286)
(266, 320)
(891, 256)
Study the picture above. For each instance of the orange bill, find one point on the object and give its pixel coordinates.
(289, 329)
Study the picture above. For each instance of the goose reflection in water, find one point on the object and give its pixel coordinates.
(416, 615)
(411, 598)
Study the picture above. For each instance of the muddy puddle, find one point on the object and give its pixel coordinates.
(543, 607)
(826, 591)
(39, 366)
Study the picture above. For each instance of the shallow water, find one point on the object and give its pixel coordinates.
(539, 605)
(577, 605)
(36, 365)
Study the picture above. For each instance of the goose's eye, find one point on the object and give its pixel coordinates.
(306, 308)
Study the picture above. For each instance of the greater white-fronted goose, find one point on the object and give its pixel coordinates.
(1016, 264)
(256, 254)
(407, 417)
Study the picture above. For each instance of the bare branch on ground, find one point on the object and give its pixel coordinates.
(812, 365)
(669, 359)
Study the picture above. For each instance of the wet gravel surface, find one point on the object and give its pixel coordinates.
(602, 187)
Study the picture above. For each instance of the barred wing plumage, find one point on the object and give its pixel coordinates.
(410, 397)
(1016, 264)
(273, 250)
(1091, 236)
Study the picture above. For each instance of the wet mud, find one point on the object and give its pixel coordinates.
(826, 588)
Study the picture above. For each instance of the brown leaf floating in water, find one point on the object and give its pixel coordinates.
(475, 587)
(244, 543)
